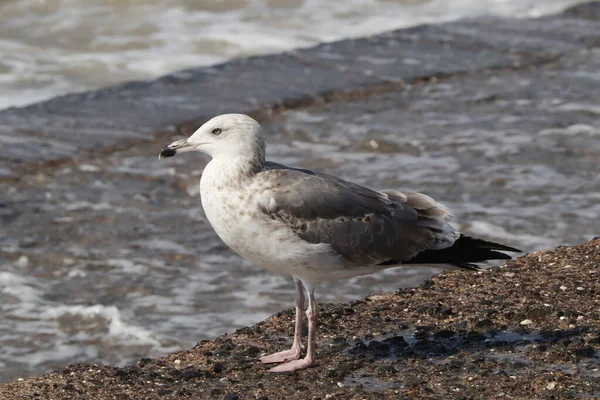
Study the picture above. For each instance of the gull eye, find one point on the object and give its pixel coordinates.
(216, 131)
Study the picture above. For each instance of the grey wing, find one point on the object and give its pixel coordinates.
(363, 226)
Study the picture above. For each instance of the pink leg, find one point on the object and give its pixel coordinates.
(294, 352)
(309, 360)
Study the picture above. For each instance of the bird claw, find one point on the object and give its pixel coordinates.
(287, 355)
(294, 365)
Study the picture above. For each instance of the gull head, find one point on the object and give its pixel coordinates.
(225, 136)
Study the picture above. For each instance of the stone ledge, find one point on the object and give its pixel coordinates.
(529, 329)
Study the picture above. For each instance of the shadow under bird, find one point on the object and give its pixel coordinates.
(314, 226)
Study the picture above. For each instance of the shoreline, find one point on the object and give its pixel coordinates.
(528, 329)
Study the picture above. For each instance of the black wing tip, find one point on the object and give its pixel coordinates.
(496, 255)
(485, 244)
(465, 253)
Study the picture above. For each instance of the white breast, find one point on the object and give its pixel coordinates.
(234, 213)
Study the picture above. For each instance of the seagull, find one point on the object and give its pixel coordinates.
(313, 226)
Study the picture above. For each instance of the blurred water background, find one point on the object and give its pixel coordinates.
(52, 47)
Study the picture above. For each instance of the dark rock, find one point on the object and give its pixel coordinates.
(145, 361)
(217, 368)
(538, 312)
(420, 333)
(252, 351)
(475, 336)
(520, 364)
(245, 330)
(191, 373)
(396, 342)
(484, 323)
(379, 349)
(69, 387)
(413, 381)
(175, 373)
(447, 311)
(428, 284)
(444, 334)
(339, 343)
(584, 352)
(121, 373)
(359, 348)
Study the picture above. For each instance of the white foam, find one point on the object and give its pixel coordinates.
(22, 262)
(65, 46)
(128, 266)
(76, 273)
(572, 130)
(164, 244)
(578, 106)
(86, 205)
(21, 288)
(88, 168)
(111, 316)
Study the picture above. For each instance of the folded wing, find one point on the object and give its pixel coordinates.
(365, 227)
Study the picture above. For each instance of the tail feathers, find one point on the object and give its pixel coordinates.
(464, 253)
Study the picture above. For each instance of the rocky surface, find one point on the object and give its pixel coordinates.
(528, 330)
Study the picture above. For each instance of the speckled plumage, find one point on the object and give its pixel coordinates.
(314, 226)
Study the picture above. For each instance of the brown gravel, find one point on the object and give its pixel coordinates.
(526, 330)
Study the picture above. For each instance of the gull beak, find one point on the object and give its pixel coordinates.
(179, 146)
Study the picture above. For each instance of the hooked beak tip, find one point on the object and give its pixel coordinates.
(166, 152)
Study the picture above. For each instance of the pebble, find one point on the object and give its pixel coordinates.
(551, 385)
(217, 368)
(526, 322)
